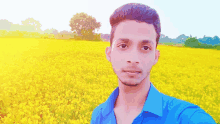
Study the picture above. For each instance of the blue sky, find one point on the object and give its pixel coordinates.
(195, 17)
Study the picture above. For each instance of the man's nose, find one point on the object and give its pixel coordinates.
(133, 57)
(134, 62)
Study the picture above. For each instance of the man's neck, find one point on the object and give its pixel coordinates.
(132, 98)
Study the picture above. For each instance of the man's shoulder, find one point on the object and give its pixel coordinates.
(177, 104)
(196, 116)
(98, 108)
(178, 107)
(201, 117)
(186, 112)
(96, 114)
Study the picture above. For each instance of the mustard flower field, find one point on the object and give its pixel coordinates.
(51, 81)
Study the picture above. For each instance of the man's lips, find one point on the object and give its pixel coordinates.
(132, 71)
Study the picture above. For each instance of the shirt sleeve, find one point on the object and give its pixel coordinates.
(201, 117)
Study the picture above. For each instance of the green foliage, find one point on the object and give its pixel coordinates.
(217, 46)
(44, 36)
(87, 34)
(47, 36)
(30, 25)
(32, 22)
(78, 37)
(14, 34)
(5, 24)
(3, 33)
(192, 42)
(81, 22)
(97, 37)
(206, 46)
(51, 31)
(19, 34)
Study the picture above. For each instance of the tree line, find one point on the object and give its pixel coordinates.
(82, 28)
(211, 43)
(182, 38)
(189, 41)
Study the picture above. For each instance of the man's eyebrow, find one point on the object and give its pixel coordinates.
(126, 40)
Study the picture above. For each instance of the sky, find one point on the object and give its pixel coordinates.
(189, 17)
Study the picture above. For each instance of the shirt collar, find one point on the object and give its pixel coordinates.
(153, 103)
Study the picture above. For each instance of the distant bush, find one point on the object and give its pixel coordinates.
(217, 46)
(97, 37)
(20, 34)
(191, 42)
(91, 37)
(206, 46)
(194, 43)
(3, 33)
(47, 36)
(62, 35)
(78, 38)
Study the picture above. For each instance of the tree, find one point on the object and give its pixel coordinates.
(28, 28)
(5, 25)
(84, 25)
(192, 42)
(216, 40)
(51, 31)
(65, 35)
(3, 33)
(55, 32)
(32, 22)
(65, 32)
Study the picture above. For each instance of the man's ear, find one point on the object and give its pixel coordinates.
(108, 53)
(157, 55)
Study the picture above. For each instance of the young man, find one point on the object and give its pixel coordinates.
(132, 53)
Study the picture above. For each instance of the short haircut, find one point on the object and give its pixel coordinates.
(138, 12)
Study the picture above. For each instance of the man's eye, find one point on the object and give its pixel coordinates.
(146, 47)
(123, 45)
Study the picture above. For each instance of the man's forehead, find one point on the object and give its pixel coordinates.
(138, 27)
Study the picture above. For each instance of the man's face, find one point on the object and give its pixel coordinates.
(133, 49)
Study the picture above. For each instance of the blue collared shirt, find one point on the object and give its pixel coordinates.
(158, 109)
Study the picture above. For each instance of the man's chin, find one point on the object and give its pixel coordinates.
(127, 83)
(130, 82)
